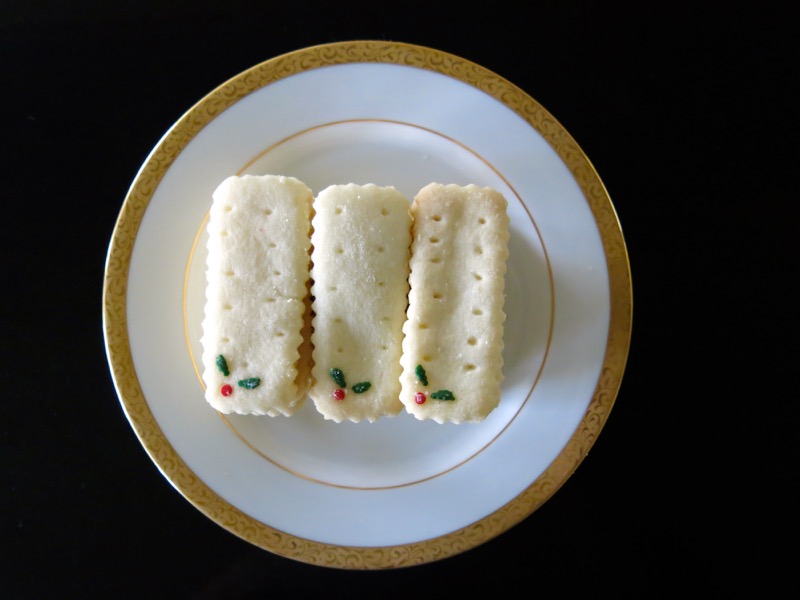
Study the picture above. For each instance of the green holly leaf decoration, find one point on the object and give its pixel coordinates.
(422, 376)
(338, 377)
(362, 387)
(250, 383)
(222, 365)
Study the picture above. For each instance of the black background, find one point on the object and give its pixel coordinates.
(687, 113)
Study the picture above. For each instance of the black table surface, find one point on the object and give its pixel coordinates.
(684, 111)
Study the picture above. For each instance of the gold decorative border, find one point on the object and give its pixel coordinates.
(118, 344)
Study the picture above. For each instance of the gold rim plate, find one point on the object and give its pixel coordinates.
(393, 114)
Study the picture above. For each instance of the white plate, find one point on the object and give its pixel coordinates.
(399, 491)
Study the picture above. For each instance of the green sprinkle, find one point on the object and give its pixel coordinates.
(222, 365)
(421, 375)
(362, 387)
(338, 377)
(251, 383)
(443, 395)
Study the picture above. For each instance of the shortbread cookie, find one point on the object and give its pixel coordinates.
(452, 351)
(360, 240)
(255, 355)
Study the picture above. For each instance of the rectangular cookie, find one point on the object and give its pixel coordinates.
(452, 351)
(255, 353)
(360, 240)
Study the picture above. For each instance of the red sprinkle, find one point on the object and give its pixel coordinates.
(226, 390)
(420, 398)
(338, 394)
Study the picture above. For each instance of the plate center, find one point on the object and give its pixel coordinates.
(393, 451)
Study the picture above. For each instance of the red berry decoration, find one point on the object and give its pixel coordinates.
(226, 390)
(420, 398)
(338, 394)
